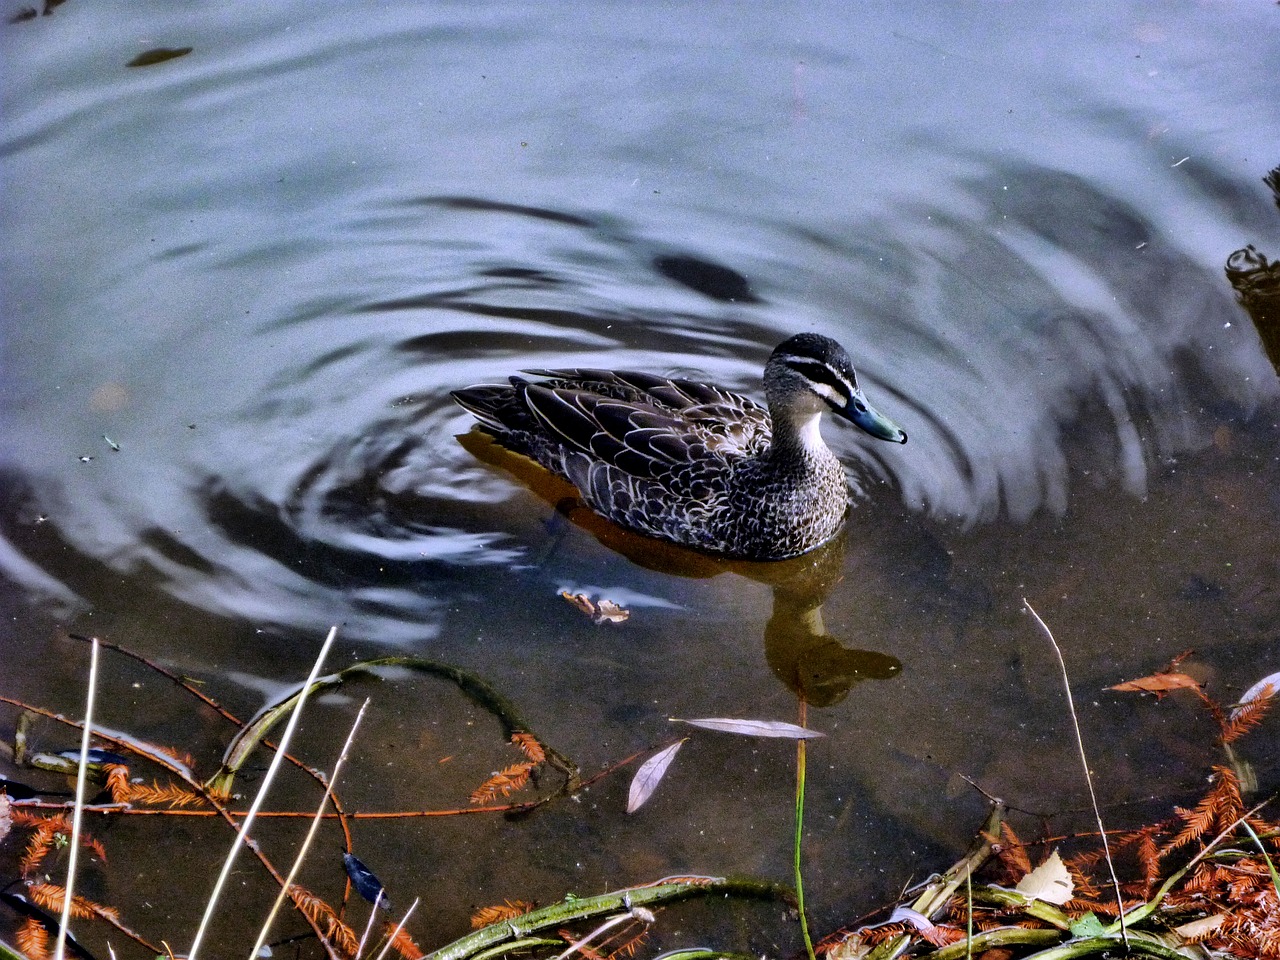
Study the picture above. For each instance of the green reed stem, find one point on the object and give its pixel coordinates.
(800, 770)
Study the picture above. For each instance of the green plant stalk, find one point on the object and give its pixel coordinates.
(1275, 877)
(800, 772)
(509, 932)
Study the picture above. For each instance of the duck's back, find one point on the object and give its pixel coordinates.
(654, 454)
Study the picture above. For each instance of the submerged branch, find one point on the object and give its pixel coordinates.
(511, 933)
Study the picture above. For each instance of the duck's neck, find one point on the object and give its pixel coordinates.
(798, 443)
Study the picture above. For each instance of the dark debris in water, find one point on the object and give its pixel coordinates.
(150, 58)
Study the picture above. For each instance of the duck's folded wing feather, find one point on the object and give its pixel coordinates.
(638, 439)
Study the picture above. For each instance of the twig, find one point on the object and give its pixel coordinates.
(368, 927)
(1088, 777)
(311, 834)
(60, 948)
(261, 796)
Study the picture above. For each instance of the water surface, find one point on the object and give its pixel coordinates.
(259, 268)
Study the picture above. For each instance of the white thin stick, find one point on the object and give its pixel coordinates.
(77, 814)
(281, 748)
(1088, 778)
(311, 834)
(368, 927)
(382, 955)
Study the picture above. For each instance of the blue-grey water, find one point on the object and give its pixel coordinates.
(258, 269)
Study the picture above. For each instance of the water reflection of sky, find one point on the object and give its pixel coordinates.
(261, 267)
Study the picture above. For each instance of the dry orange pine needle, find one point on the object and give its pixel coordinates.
(507, 910)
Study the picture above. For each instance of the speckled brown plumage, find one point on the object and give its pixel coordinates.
(689, 462)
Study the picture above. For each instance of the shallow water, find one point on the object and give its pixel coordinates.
(259, 269)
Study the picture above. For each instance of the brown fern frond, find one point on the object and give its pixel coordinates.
(1013, 852)
(326, 918)
(118, 782)
(37, 849)
(1245, 718)
(25, 818)
(503, 783)
(506, 910)
(403, 944)
(579, 946)
(629, 945)
(341, 936)
(51, 896)
(184, 759)
(157, 794)
(94, 844)
(941, 935)
(33, 939)
(529, 746)
(1220, 807)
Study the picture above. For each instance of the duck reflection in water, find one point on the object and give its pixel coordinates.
(814, 665)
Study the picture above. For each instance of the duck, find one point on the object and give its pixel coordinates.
(692, 463)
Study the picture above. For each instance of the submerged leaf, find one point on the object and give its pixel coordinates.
(753, 728)
(366, 884)
(1159, 684)
(1050, 882)
(650, 775)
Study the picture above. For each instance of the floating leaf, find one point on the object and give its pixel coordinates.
(366, 884)
(913, 917)
(606, 611)
(1050, 882)
(158, 55)
(581, 601)
(650, 775)
(753, 728)
(1159, 684)
(609, 612)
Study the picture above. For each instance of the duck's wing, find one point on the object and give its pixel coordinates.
(639, 439)
(739, 424)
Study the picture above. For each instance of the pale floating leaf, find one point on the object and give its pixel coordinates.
(753, 728)
(914, 917)
(1262, 690)
(650, 775)
(1050, 882)
(609, 612)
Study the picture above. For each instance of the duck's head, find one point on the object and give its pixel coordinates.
(809, 373)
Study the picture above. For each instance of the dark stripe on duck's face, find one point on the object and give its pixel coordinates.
(839, 387)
